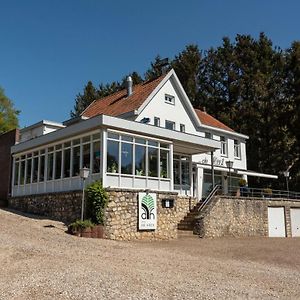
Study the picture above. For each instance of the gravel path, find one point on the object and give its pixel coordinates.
(41, 262)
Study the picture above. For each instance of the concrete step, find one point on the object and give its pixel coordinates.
(186, 234)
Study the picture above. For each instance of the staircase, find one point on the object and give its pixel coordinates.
(186, 226)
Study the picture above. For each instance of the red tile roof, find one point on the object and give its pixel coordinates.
(209, 120)
(118, 103)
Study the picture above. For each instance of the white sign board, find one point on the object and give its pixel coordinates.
(147, 211)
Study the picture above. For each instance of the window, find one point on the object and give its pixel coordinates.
(112, 156)
(35, 169)
(137, 156)
(96, 157)
(237, 149)
(76, 160)
(223, 145)
(153, 162)
(16, 179)
(42, 167)
(28, 169)
(170, 125)
(50, 166)
(126, 158)
(156, 121)
(22, 172)
(182, 127)
(140, 160)
(208, 135)
(181, 169)
(86, 155)
(58, 157)
(170, 99)
(67, 163)
(164, 163)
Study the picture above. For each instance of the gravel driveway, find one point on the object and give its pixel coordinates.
(39, 261)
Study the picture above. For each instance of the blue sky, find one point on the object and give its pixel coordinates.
(50, 48)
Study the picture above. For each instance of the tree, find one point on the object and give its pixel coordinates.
(186, 65)
(8, 114)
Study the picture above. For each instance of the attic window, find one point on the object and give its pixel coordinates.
(169, 99)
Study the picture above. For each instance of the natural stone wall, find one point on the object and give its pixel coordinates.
(240, 217)
(122, 215)
(65, 206)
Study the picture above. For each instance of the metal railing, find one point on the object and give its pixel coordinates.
(213, 192)
(262, 193)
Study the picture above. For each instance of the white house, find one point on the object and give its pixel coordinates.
(147, 136)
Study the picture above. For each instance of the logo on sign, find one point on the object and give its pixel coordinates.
(147, 211)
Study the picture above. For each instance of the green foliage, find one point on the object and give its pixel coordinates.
(96, 202)
(78, 224)
(242, 182)
(8, 114)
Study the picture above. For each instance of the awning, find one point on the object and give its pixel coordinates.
(256, 174)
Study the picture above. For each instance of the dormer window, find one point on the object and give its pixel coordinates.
(169, 99)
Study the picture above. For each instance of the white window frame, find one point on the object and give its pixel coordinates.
(224, 143)
(182, 127)
(170, 122)
(169, 99)
(237, 149)
(157, 121)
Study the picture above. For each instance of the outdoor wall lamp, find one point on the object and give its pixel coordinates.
(84, 174)
(286, 174)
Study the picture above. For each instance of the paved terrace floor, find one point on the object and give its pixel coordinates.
(38, 262)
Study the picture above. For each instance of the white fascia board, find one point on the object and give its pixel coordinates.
(160, 132)
(60, 134)
(256, 174)
(187, 102)
(117, 123)
(220, 130)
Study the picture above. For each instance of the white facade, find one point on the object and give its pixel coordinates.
(172, 152)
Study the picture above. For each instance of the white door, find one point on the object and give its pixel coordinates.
(276, 222)
(295, 221)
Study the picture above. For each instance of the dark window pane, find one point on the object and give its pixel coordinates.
(86, 139)
(96, 157)
(127, 138)
(42, 168)
(164, 164)
(16, 173)
(22, 172)
(140, 160)
(50, 166)
(86, 155)
(76, 161)
(152, 143)
(185, 173)
(35, 169)
(112, 156)
(126, 158)
(176, 168)
(58, 165)
(67, 161)
(140, 141)
(28, 172)
(76, 142)
(153, 162)
(113, 136)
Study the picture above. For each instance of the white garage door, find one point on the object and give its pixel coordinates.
(276, 222)
(295, 221)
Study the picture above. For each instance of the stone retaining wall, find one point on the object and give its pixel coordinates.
(240, 217)
(64, 206)
(121, 214)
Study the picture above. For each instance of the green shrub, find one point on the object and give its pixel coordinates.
(96, 202)
(78, 224)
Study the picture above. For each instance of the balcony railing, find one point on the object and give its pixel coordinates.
(262, 193)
